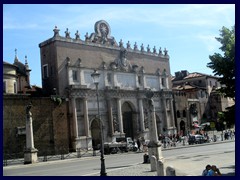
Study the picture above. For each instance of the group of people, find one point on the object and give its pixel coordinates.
(211, 171)
(229, 134)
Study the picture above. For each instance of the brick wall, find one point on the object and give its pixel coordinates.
(50, 124)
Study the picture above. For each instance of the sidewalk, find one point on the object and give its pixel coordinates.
(192, 166)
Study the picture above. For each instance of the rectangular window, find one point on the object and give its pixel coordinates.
(74, 75)
(210, 83)
(140, 80)
(163, 82)
(15, 87)
(45, 71)
(4, 86)
(109, 78)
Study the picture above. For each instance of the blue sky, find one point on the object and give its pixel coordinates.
(187, 31)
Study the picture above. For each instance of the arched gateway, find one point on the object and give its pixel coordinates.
(129, 120)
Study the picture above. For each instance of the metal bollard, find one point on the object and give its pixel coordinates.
(78, 153)
(45, 158)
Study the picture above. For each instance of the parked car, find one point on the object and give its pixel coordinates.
(199, 139)
(191, 139)
(196, 139)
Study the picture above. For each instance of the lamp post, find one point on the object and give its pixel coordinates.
(223, 128)
(95, 77)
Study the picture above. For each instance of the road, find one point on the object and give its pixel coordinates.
(221, 154)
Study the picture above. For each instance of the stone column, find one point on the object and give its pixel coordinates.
(86, 121)
(154, 146)
(119, 107)
(172, 113)
(141, 115)
(30, 154)
(165, 112)
(167, 86)
(110, 116)
(160, 82)
(75, 124)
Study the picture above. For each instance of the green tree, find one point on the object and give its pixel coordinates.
(223, 65)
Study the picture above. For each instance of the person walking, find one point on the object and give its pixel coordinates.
(139, 145)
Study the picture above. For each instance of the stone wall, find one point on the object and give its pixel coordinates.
(50, 124)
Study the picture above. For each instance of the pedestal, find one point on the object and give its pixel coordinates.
(84, 142)
(30, 156)
(154, 149)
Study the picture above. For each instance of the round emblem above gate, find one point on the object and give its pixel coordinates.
(102, 28)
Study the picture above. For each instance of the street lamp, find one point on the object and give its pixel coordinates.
(223, 128)
(95, 77)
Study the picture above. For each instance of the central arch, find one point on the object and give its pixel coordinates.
(128, 122)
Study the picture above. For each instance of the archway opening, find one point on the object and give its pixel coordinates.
(182, 128)
(127, 115)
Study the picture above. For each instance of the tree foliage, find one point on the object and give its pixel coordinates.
(224, 65)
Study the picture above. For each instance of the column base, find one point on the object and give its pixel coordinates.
(30, 156)
(84, 142)
(155, 148)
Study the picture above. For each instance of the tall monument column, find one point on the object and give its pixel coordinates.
(154, 146)
(141, 115)
(30, 153)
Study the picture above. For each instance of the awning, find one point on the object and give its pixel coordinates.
(196, 125)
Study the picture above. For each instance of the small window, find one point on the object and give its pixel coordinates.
(15, 87)
(178, 114)
(210, 83)
(109, 78)
(4, 86)
(163, 82)
(184, 113)
(74, 75)
(140, 80)
(45, 71)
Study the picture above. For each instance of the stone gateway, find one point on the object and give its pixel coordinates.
(126, 74)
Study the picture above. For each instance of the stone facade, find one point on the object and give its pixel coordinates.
(9, 78)
(196, 100)
(126, 74)
(16, 77)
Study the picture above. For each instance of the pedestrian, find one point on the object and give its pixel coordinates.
(205, 171)
(139, 144)
(214, 171)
